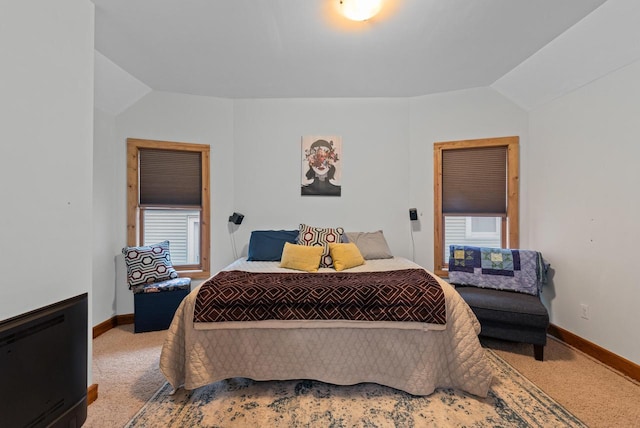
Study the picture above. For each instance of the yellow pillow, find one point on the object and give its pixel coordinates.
(301, 257)
(345, 256)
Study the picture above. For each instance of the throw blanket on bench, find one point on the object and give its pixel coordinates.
(502, 269)
(399, 295)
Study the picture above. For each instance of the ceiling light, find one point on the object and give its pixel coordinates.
(360, 10)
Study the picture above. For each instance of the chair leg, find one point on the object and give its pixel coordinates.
(538, 352)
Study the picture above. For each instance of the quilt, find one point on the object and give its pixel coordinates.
(503, 269)
(402, 295)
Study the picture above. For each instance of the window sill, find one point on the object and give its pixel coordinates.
(193, 274)
(442, 273)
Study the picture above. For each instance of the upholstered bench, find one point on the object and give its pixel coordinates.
(509, 315)
(156, 303)
(502, 286)
(157, 289)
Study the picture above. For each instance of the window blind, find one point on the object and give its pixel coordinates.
(170, 177)
(474, 181)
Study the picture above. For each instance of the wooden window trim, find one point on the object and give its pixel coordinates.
(510, 224)
(202, 271)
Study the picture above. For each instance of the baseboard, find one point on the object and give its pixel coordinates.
(608, 358)
(92, 393)
(124, 319)
(112, 322)
(104, 327)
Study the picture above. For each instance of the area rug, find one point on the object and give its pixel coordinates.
(513, 401)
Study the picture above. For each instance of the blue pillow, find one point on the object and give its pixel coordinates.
(267, 245)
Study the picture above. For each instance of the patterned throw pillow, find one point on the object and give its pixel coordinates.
(321, 236)
(151, 263)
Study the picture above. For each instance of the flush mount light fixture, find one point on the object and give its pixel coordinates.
(360, 10)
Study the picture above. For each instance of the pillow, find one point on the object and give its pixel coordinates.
(301, 257)
(345, 256)
(147, 264)
(267, 245)
(322, 236)
(372, 245)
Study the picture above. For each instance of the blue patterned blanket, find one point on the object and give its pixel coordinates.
(517, 270)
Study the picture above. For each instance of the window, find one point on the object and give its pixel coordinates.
(168, 199)
(487, 228)
(476, 231)
(475, 195)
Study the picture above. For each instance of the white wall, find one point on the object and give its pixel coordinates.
(46, 82)
(46, 111)
(460, 115)
(256, 161)
(105, 235)
(268, 165)
(180, 118)
(387, 165)
(584, 208)
(566, 159)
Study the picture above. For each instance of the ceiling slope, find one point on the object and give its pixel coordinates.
(115, 90)
(601, 43)
(293, 48)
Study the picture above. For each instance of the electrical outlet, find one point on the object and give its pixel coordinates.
(584, 311)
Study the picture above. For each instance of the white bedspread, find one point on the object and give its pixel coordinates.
(416, 360)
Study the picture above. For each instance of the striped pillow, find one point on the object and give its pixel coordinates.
(320, 236)
(148, 264)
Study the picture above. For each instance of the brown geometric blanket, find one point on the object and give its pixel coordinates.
(399, 295)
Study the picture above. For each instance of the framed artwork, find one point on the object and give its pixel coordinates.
(321, 166)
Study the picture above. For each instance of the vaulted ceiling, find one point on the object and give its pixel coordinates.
(305, 48)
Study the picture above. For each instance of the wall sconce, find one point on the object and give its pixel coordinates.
(360, 10)
(236, 218)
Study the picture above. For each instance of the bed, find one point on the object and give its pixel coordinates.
(415, 357)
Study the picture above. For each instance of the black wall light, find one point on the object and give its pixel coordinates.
(413, 214)
(236, 218)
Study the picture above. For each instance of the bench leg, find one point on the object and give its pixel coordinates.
(538, 352)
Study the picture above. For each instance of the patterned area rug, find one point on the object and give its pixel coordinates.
(513, 401)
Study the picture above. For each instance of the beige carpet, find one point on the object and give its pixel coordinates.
(125, 368)
(598, 395)
(513, 401)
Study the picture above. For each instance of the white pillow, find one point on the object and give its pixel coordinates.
(372, 245)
